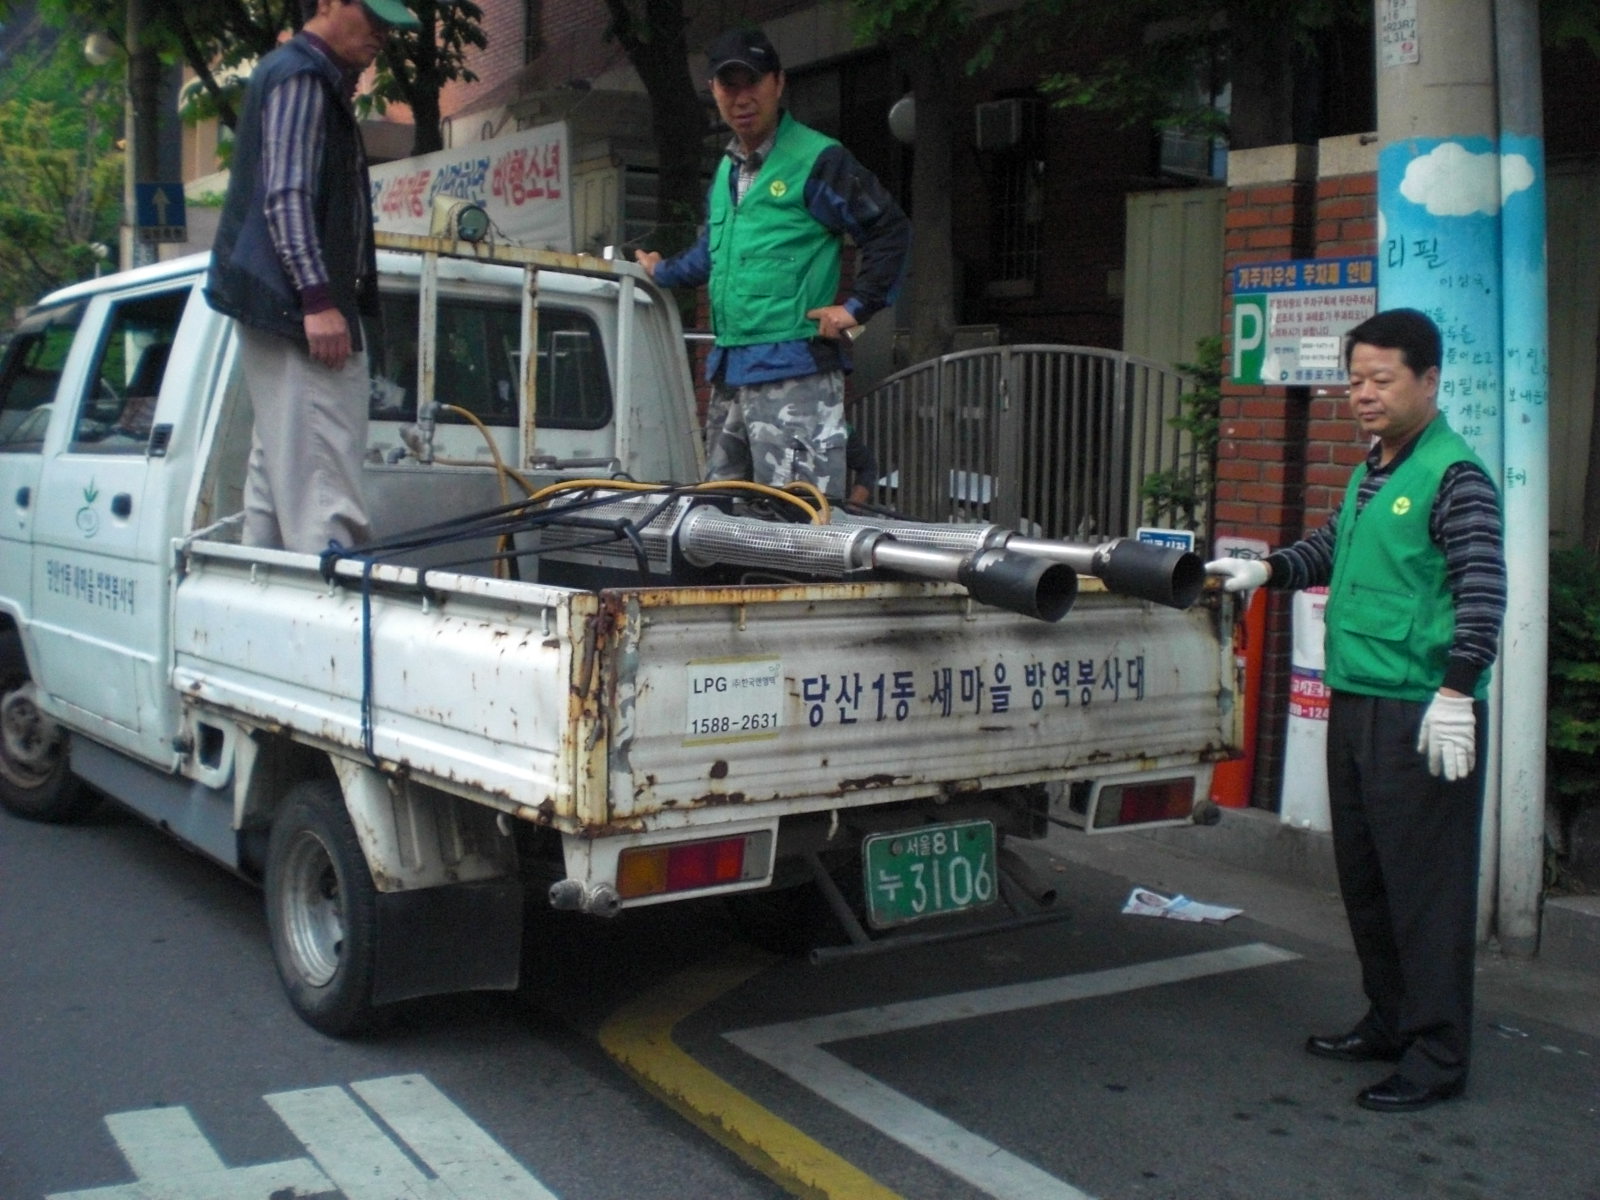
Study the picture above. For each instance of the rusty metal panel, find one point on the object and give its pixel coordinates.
(470, 682)
(801, 703)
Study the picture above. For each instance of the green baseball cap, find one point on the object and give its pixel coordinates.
(393, 14)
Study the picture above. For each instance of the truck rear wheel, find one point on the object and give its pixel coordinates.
(322, 910)
(36, 780)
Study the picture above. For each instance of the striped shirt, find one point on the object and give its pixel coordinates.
(1465, 524)
(293, 124)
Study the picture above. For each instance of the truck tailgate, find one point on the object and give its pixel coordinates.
(864, 693)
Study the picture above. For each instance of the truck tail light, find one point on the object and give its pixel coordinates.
(1144, 803)
(688, 866)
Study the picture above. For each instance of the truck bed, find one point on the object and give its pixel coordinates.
(640, 709)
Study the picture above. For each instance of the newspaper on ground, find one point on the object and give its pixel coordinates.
(1142, 902)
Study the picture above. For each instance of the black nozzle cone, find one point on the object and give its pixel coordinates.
(1019, 583)
(1160, 574)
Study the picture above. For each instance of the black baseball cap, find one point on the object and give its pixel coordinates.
(743, 48)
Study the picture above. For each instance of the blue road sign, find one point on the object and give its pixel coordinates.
(159, 214)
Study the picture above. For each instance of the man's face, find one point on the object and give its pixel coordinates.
(351, 32)
(1390, 400)
(748, 102)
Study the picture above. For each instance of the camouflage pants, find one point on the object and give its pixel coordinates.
(776, 433)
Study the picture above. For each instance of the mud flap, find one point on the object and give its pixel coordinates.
(457, 938)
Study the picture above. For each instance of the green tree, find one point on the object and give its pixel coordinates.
(654, 35)
(60, 169)
(927, 36)
(218, 39)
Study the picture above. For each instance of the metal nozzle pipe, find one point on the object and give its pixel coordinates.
(1160, 574)
(1030, 586)
(1157, 573)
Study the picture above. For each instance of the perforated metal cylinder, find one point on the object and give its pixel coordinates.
(709, 538)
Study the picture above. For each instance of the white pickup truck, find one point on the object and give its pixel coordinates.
(546, 679)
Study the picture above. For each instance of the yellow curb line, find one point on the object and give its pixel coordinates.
(639, 1036)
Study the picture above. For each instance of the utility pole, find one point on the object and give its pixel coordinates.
(1526, 416)
(141, 128)
(1457, 193)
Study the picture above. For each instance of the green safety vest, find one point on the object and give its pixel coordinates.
(771, 261)
(1390, 615)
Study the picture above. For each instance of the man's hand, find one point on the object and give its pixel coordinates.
(328, 337)
(1240, 574)
(833, 321)
(1449, 735)
(649, 260)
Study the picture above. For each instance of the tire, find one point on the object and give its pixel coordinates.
(322, 911)
(36, 779)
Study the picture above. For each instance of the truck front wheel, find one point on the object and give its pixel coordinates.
(322, 910)
(36, 780)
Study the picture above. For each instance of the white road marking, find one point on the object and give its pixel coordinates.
(794, 1048)
(440, 1134)
(172, 1160)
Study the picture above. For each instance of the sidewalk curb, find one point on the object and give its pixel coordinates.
(1256, 840)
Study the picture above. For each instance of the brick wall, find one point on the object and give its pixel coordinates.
(1285, 454)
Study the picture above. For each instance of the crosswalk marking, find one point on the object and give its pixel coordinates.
(457, 1150)
(360, 1159)
(172, 1159)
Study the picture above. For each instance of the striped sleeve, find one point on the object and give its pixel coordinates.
(1466, 524)
(293, 119)
(1307, 563)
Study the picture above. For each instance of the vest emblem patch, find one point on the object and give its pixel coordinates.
(778, 188)
(1401, 506)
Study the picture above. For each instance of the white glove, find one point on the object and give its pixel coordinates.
(1449, 736)
(1240, 574)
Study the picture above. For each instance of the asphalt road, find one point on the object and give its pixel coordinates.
(143, 1038)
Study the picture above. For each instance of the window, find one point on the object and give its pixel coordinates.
(532, 29)
(29, 372)
(118, 409)
(477, 365)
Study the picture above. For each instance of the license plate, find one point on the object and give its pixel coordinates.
(923, 872)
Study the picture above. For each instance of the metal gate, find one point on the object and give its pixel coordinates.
(1055, 440)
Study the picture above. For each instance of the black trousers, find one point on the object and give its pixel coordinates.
(1406, 846)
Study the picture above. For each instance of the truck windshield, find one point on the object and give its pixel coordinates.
(29, 372)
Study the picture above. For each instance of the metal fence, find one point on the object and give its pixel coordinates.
(1056, 440)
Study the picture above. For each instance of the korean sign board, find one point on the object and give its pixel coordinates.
(522, 180)
(1290, 319)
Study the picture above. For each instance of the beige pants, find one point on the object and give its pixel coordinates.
(303, 485)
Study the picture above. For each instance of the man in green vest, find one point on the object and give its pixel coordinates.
(783, 200)
(1416, 580)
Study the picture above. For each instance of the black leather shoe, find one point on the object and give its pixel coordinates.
(1351, 1047)
(1398, 1094)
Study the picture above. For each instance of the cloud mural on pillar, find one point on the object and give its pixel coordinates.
(1453, 181)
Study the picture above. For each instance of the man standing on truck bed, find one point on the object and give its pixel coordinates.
(294, 265)
(780, 206)
(1416, 593)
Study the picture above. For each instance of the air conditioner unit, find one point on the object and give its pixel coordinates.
(1004, 124)
(1186, 155)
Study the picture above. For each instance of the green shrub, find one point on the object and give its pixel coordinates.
(1572, 740)
(1178, 498)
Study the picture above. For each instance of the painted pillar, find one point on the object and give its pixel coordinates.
(1526, 482)
(1439, 203)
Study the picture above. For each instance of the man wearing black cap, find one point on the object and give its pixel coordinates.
(783, 200)
(293, 264)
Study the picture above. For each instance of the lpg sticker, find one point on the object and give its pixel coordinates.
(729, 700)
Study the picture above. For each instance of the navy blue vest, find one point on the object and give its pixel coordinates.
(247, 281)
